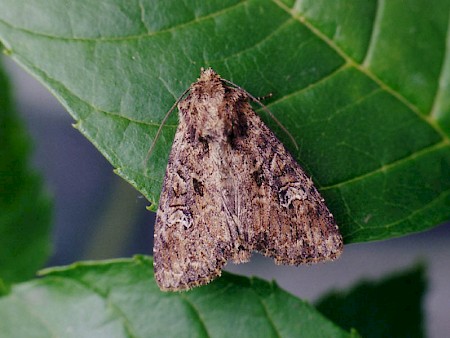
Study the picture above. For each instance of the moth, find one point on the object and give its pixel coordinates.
(232, 188)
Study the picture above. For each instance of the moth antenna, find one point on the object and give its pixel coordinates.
(265, 97)
(163, 122)
(254, 99)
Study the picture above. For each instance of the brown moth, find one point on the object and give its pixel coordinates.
(232, 188)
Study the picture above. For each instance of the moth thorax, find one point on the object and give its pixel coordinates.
(208, 121)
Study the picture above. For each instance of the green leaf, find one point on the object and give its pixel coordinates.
(362, 85)
(24, 206)
(389, 308)
(120, 298)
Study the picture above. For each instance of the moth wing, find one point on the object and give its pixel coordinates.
(193, 239)
(236, 191)
(282, 215)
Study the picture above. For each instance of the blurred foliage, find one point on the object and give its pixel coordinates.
(25, 209)
(392, 307)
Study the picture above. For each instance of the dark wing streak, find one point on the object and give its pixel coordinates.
(295, 226)
(188, 250)
(230, 204)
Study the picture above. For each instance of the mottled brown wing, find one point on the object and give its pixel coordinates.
(218, 204)
(193, 237)
(281, 214)
(231, 188)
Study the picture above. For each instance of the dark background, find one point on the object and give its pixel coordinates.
(97, 215)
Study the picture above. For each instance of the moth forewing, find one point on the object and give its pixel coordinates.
(232, 188)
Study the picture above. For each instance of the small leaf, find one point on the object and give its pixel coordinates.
(119, 298)
(24, 206)
(363, 86)
(389, 308)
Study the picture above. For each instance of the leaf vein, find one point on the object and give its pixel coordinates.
(89, 104)
(191, 305)
(434, 112)
(129, 37)
(34, 314)
(388, 166)
(105, 296)
(308, 87)
(442, 195)
(364, 70)
(417, 211)
(265, 309)
(142, 16)
(256, 45)
(343, 109)
(375, 34)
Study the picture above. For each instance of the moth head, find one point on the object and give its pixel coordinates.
(203, 109)
(209, 88)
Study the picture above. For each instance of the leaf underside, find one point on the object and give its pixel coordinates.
(120, 298)
(362, 86)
